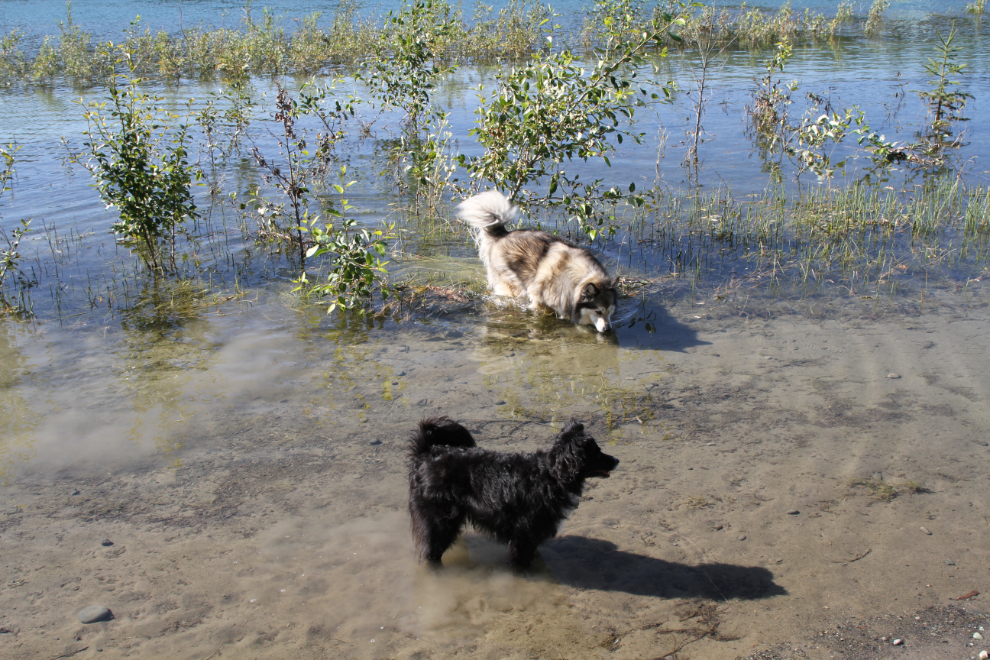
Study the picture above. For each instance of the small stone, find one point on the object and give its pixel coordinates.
(984, 655)
(883, 639)
(894, 376)
(500, 402)
(925, 530)
(793, 512)
(400, 374)
(977, 636)
(94, 614)
(422, 402)
(75, 491)
(742, 537)
(718, 528)
(897, 642)
(106, 543)
(375, 442)
(877, 476)
(949, 562)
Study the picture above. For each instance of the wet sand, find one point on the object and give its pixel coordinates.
(248, 471)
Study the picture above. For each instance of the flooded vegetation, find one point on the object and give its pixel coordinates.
(232, 281)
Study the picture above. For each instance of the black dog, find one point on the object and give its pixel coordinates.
(519, 499)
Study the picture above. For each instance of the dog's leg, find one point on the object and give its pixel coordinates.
(434, 529)
(442, 535)
(521, 552)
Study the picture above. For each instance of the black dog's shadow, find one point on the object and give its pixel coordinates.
(586, 563)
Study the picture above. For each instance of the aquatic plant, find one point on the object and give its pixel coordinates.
(407, 67)
(613, 17)
(9, 256)
(944, 103)
(768, 113)
(977, 217)
(551, 111)
(707, 50)
(755, 28)
(843, 13)
(223, 122)
(137, 154)
(7, 170)
(13, 64)
(977, 7)
(357, 271)
(875, 18)
(262, 46)
(816, 137)
(349, 38)
(297, 167)
(73, 55)
(516, 31)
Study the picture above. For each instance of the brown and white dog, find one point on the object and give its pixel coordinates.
(550, 272)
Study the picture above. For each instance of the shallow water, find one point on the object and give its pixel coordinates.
(248, 469)
(243, 452)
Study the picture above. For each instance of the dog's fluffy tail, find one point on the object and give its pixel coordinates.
(488, 212)
(439, 432)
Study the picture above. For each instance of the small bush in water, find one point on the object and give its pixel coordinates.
(140, 165)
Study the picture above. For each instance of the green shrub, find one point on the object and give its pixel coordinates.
(875, 17)
(356, 267)
(138, 158)
(552, 111)
(9, 256)
(944, 102)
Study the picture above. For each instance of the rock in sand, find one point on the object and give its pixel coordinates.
(94, 614)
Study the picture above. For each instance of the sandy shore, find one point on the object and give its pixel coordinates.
(777, 479)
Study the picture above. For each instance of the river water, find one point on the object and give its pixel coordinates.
(221, 464)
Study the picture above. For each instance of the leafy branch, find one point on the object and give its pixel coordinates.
(139, 160)
(552, 111)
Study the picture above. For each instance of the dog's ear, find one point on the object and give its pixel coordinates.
(573, 426)
(569, 453)
(589, 292)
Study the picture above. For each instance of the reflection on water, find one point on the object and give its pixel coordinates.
(544, 368)
(164, 355)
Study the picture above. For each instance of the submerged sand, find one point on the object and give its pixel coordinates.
(777, 471)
